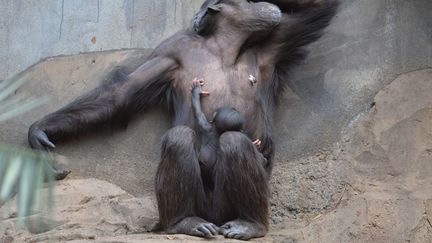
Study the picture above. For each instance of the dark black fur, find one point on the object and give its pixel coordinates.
(228, 119)
(238, 165)
(236, 204)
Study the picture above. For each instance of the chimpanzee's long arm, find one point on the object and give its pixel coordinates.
(200, 118)
(302, 23)
(299, 28)
(115, 101)
(285, 47)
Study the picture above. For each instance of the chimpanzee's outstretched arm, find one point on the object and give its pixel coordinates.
(115, 101)
(200, 118)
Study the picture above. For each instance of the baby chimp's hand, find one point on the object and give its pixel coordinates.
(196, 87)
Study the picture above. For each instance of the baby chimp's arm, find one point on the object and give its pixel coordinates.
(200, 118)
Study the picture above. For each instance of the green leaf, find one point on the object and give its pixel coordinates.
(49, 173)
(27, 166)
(8, 87)
(11, 177)
(21, 108)
(26, 189)
(2, 165)
(11, 103)
(38, 182)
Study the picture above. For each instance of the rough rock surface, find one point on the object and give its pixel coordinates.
(375, 185)
(383, 165)
(86, 209)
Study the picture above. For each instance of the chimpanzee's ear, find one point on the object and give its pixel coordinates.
(214, 8)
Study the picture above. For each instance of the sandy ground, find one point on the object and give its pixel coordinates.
(375, 185)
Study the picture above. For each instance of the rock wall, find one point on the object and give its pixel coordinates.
(368, 45)
(32, 30)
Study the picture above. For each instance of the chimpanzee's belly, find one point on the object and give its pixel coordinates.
(232, 89)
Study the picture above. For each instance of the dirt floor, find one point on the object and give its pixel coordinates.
(375, 185)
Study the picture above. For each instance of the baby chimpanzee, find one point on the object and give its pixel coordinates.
(224, 119)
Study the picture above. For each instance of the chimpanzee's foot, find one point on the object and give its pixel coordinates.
(194, 226)
(242, 230)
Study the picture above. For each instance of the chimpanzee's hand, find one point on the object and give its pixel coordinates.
(196, 87)
(38, 139)
(257, 143)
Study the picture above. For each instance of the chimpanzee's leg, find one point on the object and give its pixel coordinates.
(179, 188)
(241, 188)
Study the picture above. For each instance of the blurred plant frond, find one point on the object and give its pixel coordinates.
(22, 171)
(13, 105)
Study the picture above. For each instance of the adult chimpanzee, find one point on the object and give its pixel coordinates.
(233, 42)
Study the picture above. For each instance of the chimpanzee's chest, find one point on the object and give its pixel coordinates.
(233, 85)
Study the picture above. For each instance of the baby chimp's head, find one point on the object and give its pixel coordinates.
(228, 119)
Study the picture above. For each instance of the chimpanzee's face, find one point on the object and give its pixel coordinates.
(243, 14)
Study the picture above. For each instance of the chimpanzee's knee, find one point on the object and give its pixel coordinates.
(241, 177)
(178, 151)
(237, 146)
(179, 189)
(178, 137)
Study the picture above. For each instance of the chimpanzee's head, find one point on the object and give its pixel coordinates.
(228, 119)
(243, 14)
